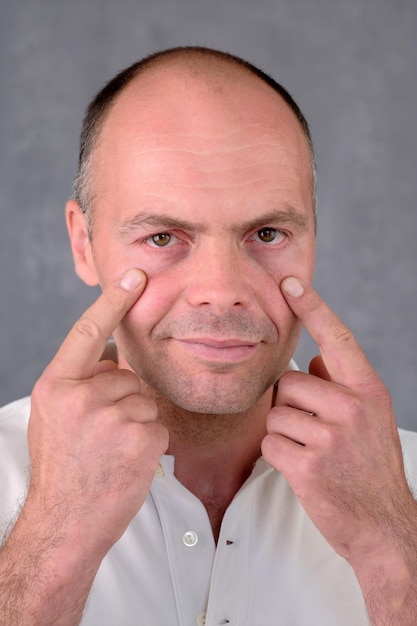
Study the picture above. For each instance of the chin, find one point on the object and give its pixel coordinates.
(208, 398)
(210, 406)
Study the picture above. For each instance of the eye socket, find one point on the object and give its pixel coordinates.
(162, 240)
(268, 235)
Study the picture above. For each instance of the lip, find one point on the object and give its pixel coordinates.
(214, 342)
(224, 350)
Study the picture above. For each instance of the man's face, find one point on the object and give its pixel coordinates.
(209, 192)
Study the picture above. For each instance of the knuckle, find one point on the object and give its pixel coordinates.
(288, 378)
(272, 418)
(377, 390)
(159, 438)
(146, 442)
(47, 389)
(342, 334)
(122, 379)
(288, 382)
(43, 386)
(270, 447)
(352, 407)
(328, 437)
(148, 409)
(309, 466)
(81, 400)
(134, 408)
(278, 418)
(86, 327)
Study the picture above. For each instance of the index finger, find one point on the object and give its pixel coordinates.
(83, 346)
(344, 359)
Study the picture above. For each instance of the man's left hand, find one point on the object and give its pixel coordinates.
(332, 433)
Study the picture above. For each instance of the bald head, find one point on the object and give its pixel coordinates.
(194, 67)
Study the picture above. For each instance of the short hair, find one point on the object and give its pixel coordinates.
(102, 103)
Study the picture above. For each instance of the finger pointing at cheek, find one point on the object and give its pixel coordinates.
(80, 352)
(343, 361)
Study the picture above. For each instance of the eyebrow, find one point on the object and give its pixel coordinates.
(158, 220)
(278, 216)
(164, 221)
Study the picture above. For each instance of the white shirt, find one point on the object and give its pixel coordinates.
(271, 566)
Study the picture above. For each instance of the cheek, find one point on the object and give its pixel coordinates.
(113, 260)
(274, 306)
(294, 260)
(156, 301)
(299, 261)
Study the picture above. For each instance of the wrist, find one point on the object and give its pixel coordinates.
(45, 576)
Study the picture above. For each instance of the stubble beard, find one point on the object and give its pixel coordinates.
(216, 401)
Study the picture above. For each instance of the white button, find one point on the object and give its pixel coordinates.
(200, 620)
(190, 538)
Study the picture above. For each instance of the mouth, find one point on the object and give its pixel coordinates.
(223, 350)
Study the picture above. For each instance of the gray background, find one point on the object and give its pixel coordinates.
(351, 65)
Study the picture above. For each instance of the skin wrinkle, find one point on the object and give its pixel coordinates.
(250, 147)
(195, 152)
(238, 168)
(247, 183)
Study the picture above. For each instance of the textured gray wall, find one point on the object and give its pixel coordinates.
(351, 65)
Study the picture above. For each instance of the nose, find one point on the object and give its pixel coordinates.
(218, 279)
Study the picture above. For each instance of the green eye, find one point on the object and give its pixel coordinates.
(161, 239)
(267, 235)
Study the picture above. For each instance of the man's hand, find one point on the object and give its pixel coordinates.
(94, 445)
(93, 439)
(333, 435)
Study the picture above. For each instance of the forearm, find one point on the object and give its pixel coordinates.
(391, 600)
(44, 577)
(388, 578)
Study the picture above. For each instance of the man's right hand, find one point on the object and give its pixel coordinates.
(93, 438)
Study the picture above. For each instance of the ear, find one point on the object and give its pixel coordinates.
(80, 244)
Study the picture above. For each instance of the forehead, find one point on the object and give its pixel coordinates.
(171, 100)
(198, 133)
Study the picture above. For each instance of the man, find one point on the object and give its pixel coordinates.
(185, 484)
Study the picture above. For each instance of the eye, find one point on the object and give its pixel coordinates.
(268, 235)
(162, 240)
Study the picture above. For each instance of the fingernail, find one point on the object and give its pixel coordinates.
(132, 280)
(292, 286)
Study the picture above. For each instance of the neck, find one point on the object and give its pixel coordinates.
(215, 454)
